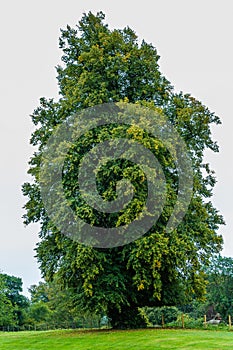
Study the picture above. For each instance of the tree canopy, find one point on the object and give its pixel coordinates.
(161, 268)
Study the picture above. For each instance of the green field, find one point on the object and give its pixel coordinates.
(117, 340)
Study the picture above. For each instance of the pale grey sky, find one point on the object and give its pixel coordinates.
(194, 40)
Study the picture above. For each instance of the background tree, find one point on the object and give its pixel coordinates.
(100, 65)
(6, 308)
(13, 292)
(219, 296)
(12, 303)
(54, 306)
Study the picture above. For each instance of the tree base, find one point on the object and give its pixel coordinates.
(127, 318)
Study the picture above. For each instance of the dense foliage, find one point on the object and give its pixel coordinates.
(99, 66)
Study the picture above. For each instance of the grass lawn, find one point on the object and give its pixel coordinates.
(117, 340)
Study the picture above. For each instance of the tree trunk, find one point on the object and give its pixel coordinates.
(128, 317)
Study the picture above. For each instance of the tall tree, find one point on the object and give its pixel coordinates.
(160, 268)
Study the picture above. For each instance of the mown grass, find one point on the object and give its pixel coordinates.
(151, 339)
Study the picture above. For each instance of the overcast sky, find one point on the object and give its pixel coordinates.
(194, 40)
